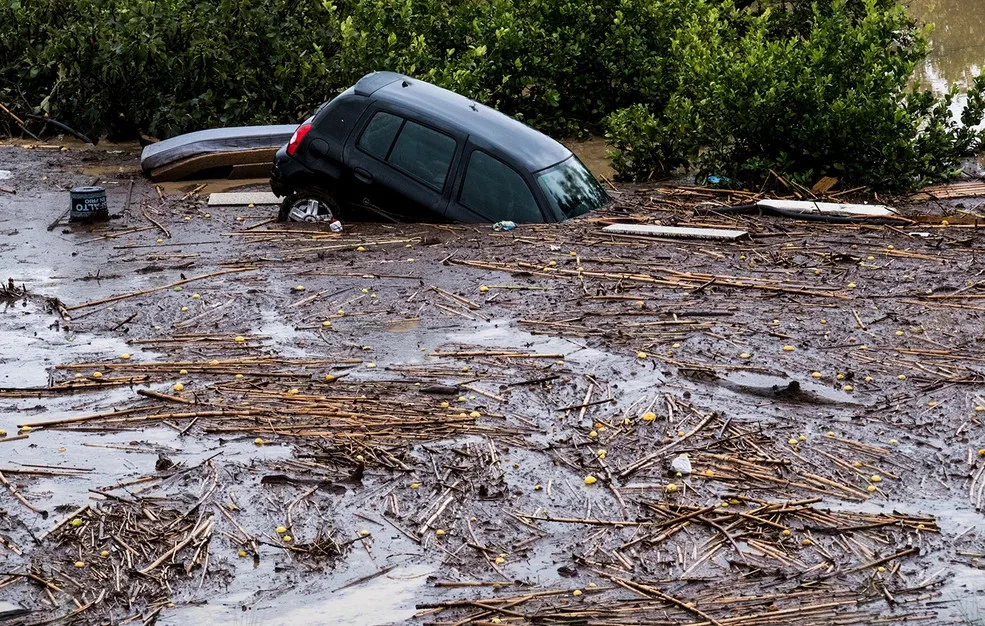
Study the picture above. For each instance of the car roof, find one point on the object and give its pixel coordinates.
(529, 148)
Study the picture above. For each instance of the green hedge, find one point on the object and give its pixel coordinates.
(821, 89)
(165, 67)
(804, 88)
(170, 66)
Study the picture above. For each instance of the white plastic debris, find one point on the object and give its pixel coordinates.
(652, 230)
(243, 199)
(830, 208)
(504, 225)
(6, 174)
(681, 465)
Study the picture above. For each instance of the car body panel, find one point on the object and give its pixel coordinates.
(336, 120)
(380, 185)
(458, 211)
(452, 111)
(371, 83)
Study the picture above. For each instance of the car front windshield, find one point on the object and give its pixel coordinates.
(571, 188)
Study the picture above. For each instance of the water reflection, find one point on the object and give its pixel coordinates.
(957, 43)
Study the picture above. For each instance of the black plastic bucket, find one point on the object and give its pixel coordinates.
(88, 205)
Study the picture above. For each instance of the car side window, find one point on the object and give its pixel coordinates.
(496, 191)
(423, 153)
(340, 119)
(379, 134)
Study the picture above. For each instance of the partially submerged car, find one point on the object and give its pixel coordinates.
(397, 148)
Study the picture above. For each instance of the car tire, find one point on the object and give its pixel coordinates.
(309, 204)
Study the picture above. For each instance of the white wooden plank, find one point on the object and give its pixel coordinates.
(679, 232)
(243, 199)
(830, 208)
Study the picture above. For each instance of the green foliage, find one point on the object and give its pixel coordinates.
(730, 87)
(165, 67)
(826, 94)
(562, 65)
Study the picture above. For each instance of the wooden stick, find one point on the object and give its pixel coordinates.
(150, 219)
(35, 578)
(52, 225)
(162, 287)
(126, 204)
(16, 494)
(878, 562)
(512, 355)
(647, 591)
(459, 299)
(367, 578)
(77, 512)
(147, 393)
(202, 529)
(19, 122)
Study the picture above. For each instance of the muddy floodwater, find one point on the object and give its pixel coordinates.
(210, 417)
(957, 42)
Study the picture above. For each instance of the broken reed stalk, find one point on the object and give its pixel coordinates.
(16, 494)
(500, 353)
(150, 219)
(648, 591)
(162, 287)
(204, 528)
(648, 460)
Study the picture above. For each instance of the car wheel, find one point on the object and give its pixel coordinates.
(309, 205)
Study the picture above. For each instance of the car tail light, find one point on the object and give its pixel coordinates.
(297, 137)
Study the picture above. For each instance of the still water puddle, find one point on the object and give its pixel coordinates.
(957, 43)
(33, 340)
(387, 599)
(804, 390)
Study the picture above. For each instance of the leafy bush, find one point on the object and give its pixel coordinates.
(562, 65)
(163, 68)
(827, 93)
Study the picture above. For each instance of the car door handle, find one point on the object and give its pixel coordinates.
(362, 176)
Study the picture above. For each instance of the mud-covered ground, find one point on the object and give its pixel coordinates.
(214, 418)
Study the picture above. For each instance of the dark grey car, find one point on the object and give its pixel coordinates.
(403, 149)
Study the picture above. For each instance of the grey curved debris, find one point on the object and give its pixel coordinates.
(10, 611)
(214, 141)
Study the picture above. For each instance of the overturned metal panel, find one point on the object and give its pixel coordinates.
(809, 210)
(216, 140)
(830, 208)
(233, 165)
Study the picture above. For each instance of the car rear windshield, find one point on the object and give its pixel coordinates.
(571, 188)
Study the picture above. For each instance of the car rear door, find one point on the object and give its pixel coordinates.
(491, 190)
(401, 165)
